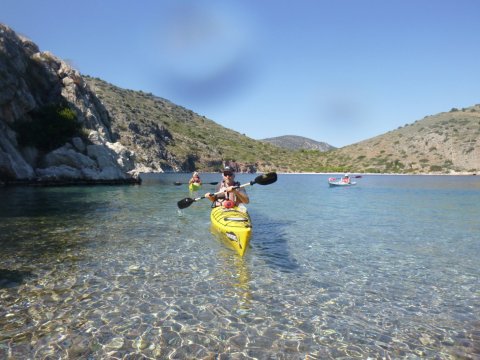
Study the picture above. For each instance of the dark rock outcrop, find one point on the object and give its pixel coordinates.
(32, 80)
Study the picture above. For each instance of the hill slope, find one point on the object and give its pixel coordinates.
(168, 137)
(165, 136)
(444, 143)
(294, 142)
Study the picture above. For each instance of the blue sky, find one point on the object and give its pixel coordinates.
(338, 71)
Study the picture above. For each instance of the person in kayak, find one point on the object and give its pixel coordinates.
(346, 179)
(232, 195)
(195, 179)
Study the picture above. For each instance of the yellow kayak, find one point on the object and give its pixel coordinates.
(234, 225)
(194, 186)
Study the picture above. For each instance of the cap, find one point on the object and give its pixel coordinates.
(228, 170)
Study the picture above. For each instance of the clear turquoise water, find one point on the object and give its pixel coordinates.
(388, 269)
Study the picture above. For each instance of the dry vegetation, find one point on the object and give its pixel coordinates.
(444, 143)
(169, 137)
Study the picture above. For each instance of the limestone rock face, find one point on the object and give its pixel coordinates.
(30, 80)
(12, 163)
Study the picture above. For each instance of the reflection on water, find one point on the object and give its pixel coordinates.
(388, 269)
(237, 276)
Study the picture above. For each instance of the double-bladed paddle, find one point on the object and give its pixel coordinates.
(264, 179)
(180, 183)
(352, 177)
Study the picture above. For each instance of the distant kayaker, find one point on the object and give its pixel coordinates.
(346, 179)
(195, 179)
(233, 196)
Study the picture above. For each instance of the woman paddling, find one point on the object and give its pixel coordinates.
(233, 195)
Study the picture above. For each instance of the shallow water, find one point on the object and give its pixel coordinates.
(385, 269)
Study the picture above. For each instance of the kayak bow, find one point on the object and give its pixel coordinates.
(194, 186)
(234, 226)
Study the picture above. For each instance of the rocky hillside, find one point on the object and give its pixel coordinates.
(168, 137)
(445, 143)
(294, 142)
(57, 125)
(52, 127)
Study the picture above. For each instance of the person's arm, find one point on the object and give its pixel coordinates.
(240, 193)
(242, 196)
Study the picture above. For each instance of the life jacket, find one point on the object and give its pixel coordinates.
(220, 198)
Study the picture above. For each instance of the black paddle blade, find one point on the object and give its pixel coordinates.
(184, 203)
(265, 179)
(177, 183)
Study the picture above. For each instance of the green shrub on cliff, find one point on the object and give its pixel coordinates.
(50, 127)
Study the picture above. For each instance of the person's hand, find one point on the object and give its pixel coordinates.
(210, 196)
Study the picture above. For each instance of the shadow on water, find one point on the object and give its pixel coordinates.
(270, 243)
(13, 278)
(44, 222)
(34, 202)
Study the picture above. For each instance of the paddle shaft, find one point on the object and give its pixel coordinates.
(264, 179)
(351, 177)
(221, 192)
(180, 183)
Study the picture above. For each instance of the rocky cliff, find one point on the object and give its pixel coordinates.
(32, 83)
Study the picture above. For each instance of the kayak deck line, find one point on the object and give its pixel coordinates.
(235, 219)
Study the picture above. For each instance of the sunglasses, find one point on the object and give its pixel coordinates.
(227, 174)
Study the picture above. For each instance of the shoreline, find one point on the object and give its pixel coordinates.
(314, 173)
(70, 182)
(377, 174)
